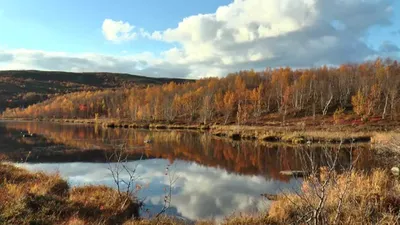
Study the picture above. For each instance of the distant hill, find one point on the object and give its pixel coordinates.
(26, 87)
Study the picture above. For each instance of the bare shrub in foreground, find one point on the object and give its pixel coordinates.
(125, 179)
(337, 194)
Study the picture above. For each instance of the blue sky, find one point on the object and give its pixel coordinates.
(75, 25)
(194, 38)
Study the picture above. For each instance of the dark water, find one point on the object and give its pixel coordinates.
(214, 177)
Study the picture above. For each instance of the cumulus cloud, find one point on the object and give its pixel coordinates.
(118, 31)
(244, 34)
(259, 33)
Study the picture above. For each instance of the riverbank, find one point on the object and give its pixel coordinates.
(110, 123)
(293, 132)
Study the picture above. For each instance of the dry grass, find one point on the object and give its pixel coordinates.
(37, 198)
(242, 219)
(165, 220)
(74, 221)
(388, 139)
(257, 219)
(124, 123)
(363, 199)
(104, 202)
(290, 135)
(92, 196)
(387, 146)
(34, 183)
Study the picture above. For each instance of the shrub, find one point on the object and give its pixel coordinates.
(348, 198)
(338, 115)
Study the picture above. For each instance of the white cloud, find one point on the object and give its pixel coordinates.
(142, 64)
(242, 35)
(259, 33)
(118, 31)
(156, 35)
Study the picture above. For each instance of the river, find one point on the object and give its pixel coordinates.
(213, 177)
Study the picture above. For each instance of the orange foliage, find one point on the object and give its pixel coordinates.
(371, 88)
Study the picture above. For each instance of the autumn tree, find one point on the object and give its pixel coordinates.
(369, 88)
(358, 101)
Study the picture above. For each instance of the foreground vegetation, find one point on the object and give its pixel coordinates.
(38, 198)
(327, 198)
(348, 198)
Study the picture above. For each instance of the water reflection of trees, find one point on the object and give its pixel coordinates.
(91, 144)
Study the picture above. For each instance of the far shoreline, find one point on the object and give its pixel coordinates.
(271, 132)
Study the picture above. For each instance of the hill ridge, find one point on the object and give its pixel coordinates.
(20, 88)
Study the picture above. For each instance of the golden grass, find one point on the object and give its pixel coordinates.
(386, 139)
(74, 221)
(105, 198)
(37, 198)
(387, 149)
(165, 220)
(35, 183)
(363, 199)
(242, 219)
(290, 135)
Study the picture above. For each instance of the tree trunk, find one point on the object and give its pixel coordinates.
(226, 118)
(325, 111)
(385, 107)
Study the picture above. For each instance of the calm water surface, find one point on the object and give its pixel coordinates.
(214, 177)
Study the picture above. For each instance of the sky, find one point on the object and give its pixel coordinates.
(194, 39)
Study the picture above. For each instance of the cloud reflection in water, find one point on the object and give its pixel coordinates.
(199, 193)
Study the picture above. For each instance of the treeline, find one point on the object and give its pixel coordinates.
(368, 89)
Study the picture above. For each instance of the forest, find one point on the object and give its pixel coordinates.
(366, 90)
